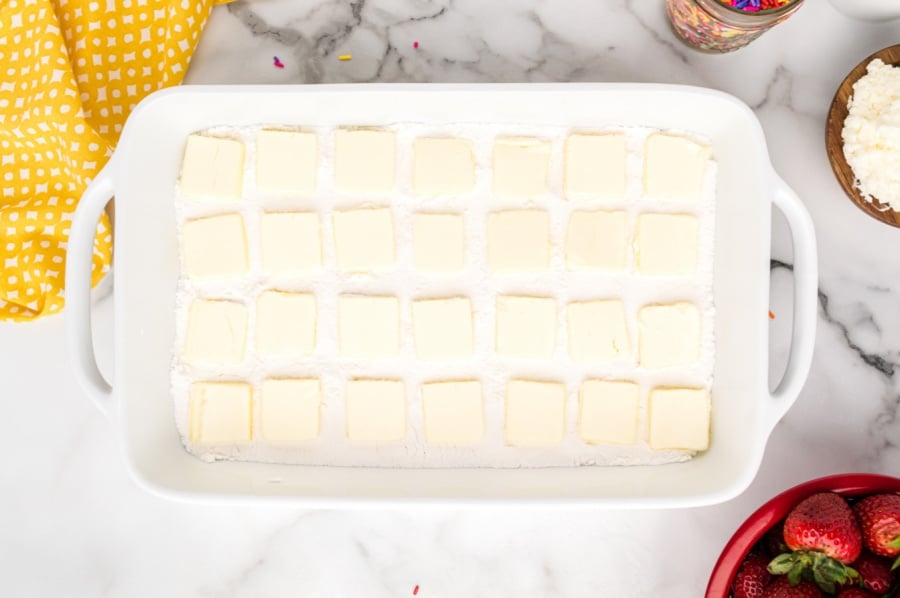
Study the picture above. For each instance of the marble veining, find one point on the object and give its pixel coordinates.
(74, 524)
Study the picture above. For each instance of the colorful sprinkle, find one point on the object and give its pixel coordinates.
(756, 5)
(345, 57)
(415, 589)
(771, 315)
(277, 62)
(416, 45)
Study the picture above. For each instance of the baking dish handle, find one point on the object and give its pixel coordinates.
(77, 314)
(806, 289)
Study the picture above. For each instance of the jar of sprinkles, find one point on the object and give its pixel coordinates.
(726, 25)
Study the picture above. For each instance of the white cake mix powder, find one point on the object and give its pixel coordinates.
(476, 282)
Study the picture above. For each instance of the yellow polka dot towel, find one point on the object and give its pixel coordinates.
(72, 70)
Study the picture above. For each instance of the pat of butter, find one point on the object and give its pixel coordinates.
(669, 335)
(526, 326)
(221, 413)
(376, 411)
(289, 410)
(438, 242)
(368, 326)
(365, 160)
(453, 412)
(442, 328)
(608, 412)
(667, 244)
(286, 162)
(285, 324)
(216, 332)
(518, 241)
(443, 166)
(596, 241)
(535, 413)
(215, 247)
(674, 167)
(679, 418)
(290, 242)
(595, 166)
(212, 168)
(521, 166)
(597, 330)
(364, 239)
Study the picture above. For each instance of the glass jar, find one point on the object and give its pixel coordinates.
(713, 26)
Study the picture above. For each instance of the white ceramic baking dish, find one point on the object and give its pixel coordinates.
(142, 176)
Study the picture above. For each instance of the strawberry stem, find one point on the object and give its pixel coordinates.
(828, 573)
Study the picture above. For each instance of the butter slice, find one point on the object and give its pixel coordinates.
(285, 324)
(521, 166)
(216, 332)
(518, 241)
(376, 411)
(608, 412)
(595, 166)
(438, 242)
(364, 239)
(669, 335)
(212, 168)
(365, 160)
(667, 244)
(215, 247)
(535, 413)
(443, 166)
(221, 413)
(596, 241)
(597, 330)
(368, 326)
(291, 242)
(679, 418)
(442, 328)
(289, 410)
(453, 412)
(286, 162)
(674, 167)
(526, 326)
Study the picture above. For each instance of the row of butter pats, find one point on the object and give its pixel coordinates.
(221, 413)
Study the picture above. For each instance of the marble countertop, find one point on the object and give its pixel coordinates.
(74, 524)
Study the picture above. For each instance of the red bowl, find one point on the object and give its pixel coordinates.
(765, 517)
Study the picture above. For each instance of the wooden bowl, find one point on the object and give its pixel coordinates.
(834, 144)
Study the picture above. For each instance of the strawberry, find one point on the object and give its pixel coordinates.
(879, 520)
(752, 577)
(824, 537)
(782, 588)
(855, 593)
(874, 573)
(824, 522)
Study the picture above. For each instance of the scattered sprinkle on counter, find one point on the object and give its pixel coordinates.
(871, 134)
(771, 315)
(416, 45)
(415, 590)
(277, 62)
(345, 57)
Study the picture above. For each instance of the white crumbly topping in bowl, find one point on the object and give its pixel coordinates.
(871, 134)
